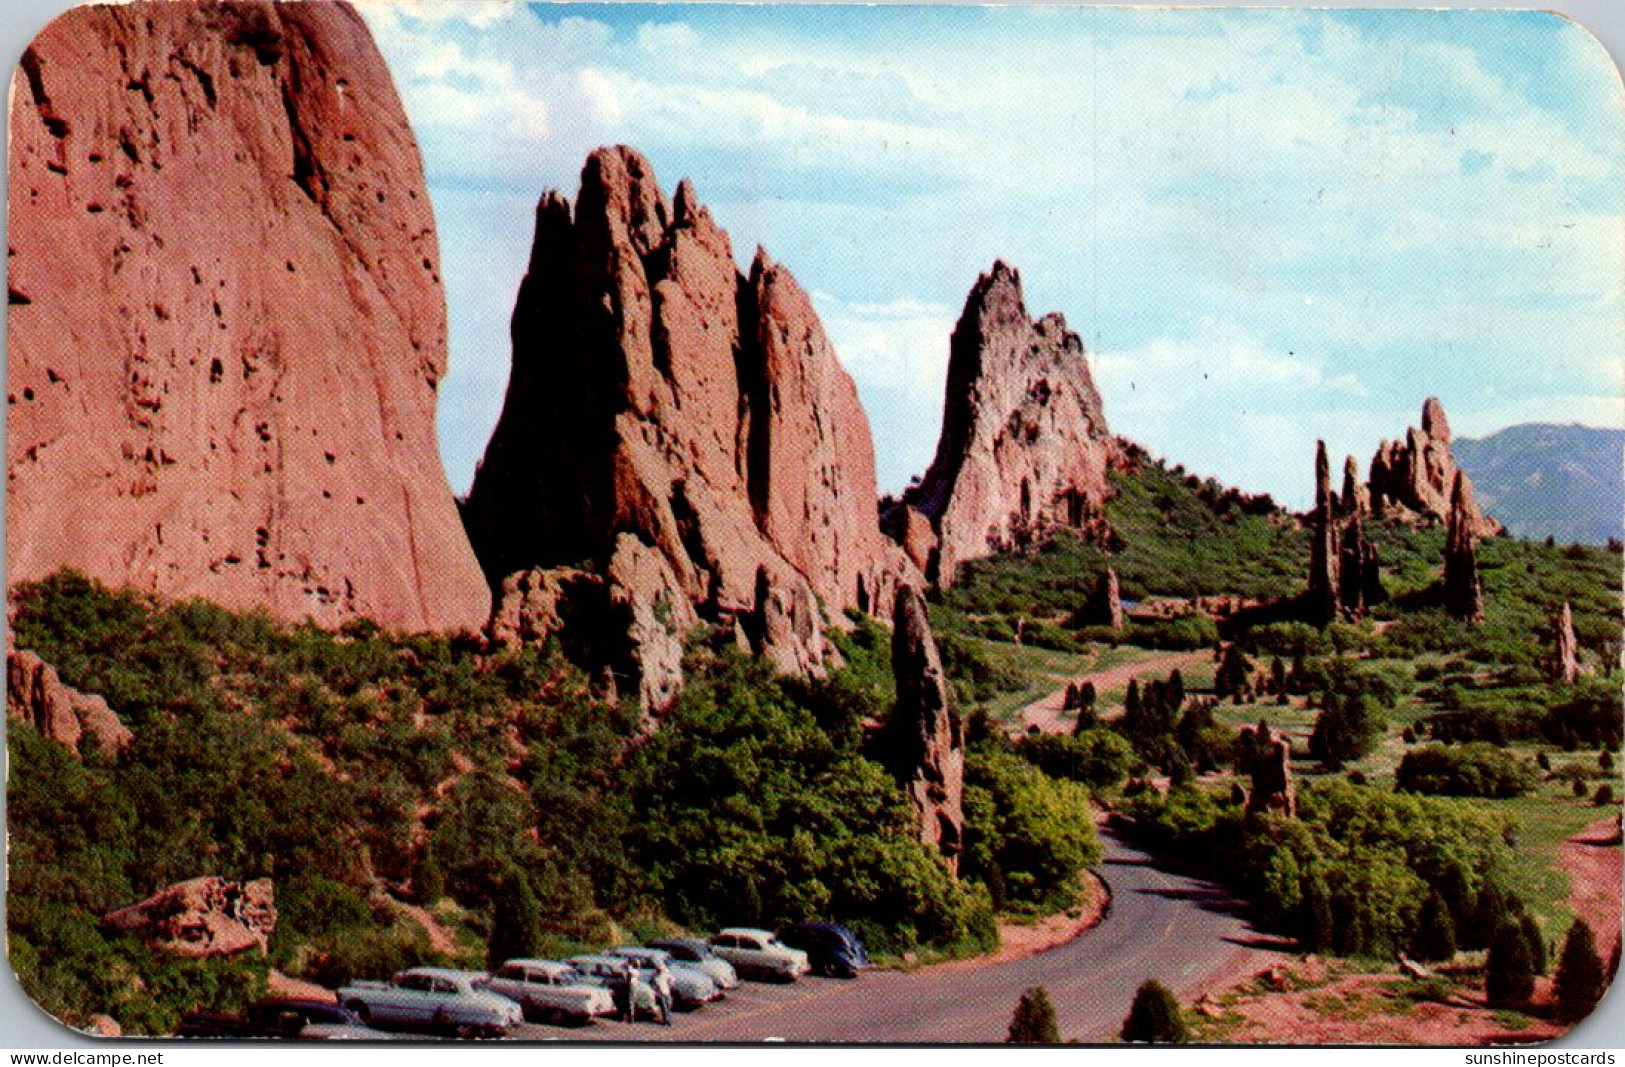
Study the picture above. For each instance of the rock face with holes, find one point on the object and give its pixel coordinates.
(1416, 476)
(201, 918)
(660, 395)
(924, 743)
(1024, 446)
(35, 694)
(226, 322)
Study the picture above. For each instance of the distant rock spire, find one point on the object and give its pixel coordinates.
(1463, 593)
(1415, 477)
(1565, 656)
(1356, 500)
(1359, 580)
(1324, 587)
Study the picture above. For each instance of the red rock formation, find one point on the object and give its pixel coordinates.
(1105, 608)
(1566, 650)
(1324, 549)
(226, 319)
(1356, 499)
(925, 744)
(203, 917)
(1272, 790)
(1024, 445)
(1463, 594)
(35, 694)
(658, 393)
(1415, 476)
(1358, 574)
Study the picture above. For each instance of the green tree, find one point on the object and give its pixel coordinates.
(1155, 1017)
(1319, 927)
(1509, 973)
(516, 921)
(1536, 942)
(1580, 981)
(1034, 1020)
(1435, 937)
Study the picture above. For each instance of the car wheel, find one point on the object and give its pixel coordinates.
(361, 1011)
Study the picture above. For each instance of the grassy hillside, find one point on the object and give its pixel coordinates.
(363, 771)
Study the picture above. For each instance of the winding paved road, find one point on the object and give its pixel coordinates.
(1177, 929)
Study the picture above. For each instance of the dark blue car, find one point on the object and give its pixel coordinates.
(831, 949)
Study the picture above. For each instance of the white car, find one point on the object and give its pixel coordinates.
(550, 992)
(690, 986)
(432, 998)
(759, 953)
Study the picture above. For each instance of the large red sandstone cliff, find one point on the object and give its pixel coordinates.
(663, 404)
(1417, 476)
(1024, 445)
(226, 322)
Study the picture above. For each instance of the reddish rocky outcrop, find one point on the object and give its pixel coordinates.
(1463, 593)
(226, 321)
(1416, 476)
(925, 744)
(1565, 649)
(1358, 574)
(1105, 608)
(204, 917)
(657, 393)
(1324, 548)
(1024, 446)
(35, 694)
(1271, 772)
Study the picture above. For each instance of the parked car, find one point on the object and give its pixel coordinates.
(288, 1018)
(758, 954)
(831, 949)
(696, 953)
(691, 987)
(608, 971)
(550, 992)
(433, 998)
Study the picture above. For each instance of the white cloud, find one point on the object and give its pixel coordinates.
(1277, 220)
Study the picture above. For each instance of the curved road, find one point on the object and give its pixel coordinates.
(1179, 930)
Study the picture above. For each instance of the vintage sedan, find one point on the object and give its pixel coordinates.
(608, 971)
(691, 987)
(759, 954)
(550, 991)
(287, 1018)
(693, 952)
(432, 998)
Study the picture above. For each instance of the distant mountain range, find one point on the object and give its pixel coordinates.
(1542, 480)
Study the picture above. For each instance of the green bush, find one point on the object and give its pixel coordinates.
(1098, 758)
(1155, 1017)
(1470, 770)
(1027, 836)
(1580, 981)
(1033, 1022)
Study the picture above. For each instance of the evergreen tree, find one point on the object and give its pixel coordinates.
(1084, 701)
(1435, 937)
(1277, 676)
(1034, 1020)
(516, 921)
(1580, 981)
(1605, 760)
(1230, 680)
(1155, 1017)
(1131, 699)
(1509, 975)
(1457, 891)
(1543, 761)
(1176, 692)
(1537, 943)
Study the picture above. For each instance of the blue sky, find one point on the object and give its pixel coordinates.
(1268, 226)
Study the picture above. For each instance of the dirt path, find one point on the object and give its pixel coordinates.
(1592, 859)
(1046, 713)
